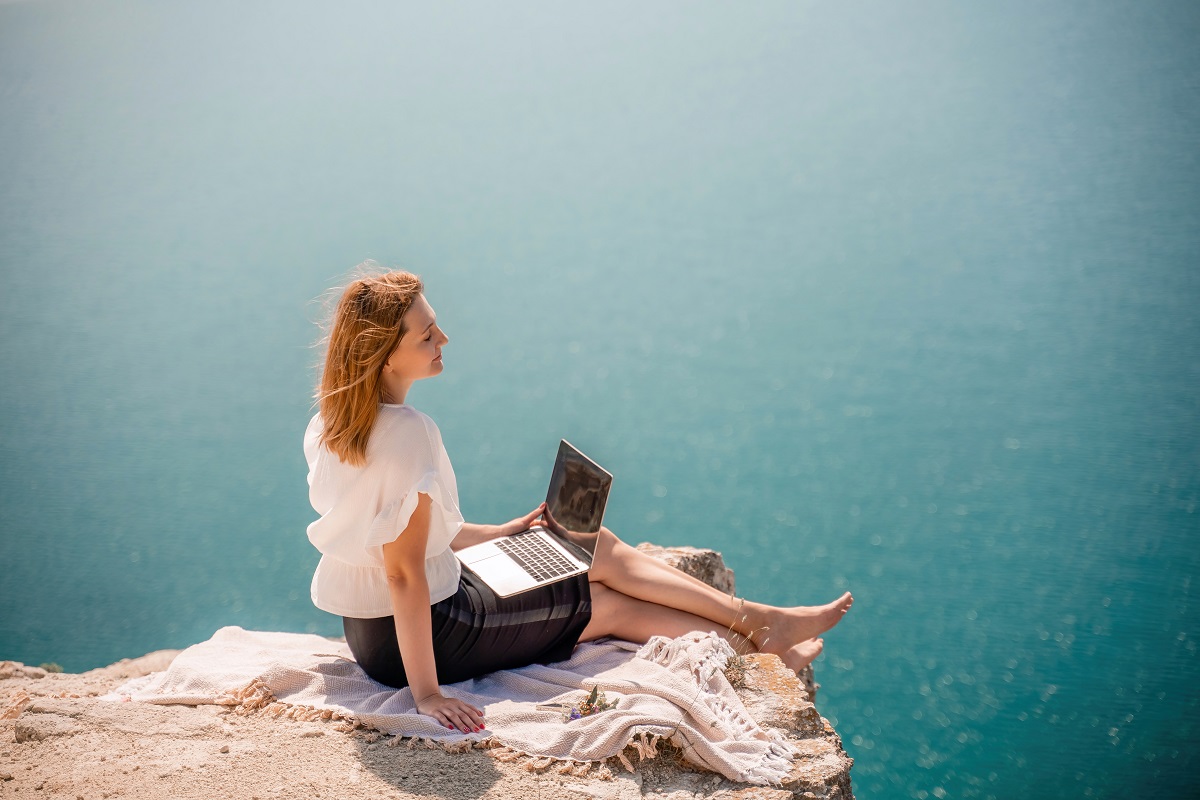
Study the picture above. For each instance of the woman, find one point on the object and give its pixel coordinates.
(384, 487)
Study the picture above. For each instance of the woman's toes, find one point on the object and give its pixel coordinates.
(800, 656)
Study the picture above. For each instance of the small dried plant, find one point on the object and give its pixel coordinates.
(736, 669)
(594, 704)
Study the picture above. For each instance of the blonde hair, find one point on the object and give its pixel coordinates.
(366, 325)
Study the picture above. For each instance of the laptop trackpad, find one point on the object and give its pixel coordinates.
(504, 575)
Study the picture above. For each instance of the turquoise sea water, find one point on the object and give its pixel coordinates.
(895, 297)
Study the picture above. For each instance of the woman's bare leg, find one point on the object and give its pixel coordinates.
(772, 630)
(634, 620)
(617, 614)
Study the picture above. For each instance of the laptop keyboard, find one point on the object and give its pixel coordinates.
(536, 557)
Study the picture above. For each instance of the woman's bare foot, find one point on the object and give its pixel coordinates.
(786, 628)
(798, 657)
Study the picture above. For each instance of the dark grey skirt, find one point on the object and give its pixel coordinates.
(475, 632)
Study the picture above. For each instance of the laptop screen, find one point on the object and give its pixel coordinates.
(578, 490)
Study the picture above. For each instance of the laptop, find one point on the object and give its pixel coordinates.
(576, 499)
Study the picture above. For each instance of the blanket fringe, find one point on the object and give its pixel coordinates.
(646, 745)
(252, 697)
(664, 651)
(256, 697)
(643, 745)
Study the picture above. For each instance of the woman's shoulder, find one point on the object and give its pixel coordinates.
(403, 416)
(403, 426)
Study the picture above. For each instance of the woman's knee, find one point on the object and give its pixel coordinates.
(607, 555)
(608, 608)
(610, 542)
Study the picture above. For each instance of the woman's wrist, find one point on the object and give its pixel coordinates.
(470, 533)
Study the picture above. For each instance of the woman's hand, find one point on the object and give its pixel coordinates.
(451, 712)
(520, 523)
(471, 533)
(550, 522)
(587, 541)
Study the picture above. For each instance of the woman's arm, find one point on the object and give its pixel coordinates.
(471, 533)
(404, 562)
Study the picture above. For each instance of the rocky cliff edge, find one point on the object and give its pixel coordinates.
(57, 739)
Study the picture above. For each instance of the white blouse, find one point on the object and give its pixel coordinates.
(364, 508)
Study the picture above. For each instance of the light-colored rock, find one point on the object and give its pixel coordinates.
(36, 727)
(707, 565)
(777, 698)
(754, 793)
(15, 669)
(144, 719)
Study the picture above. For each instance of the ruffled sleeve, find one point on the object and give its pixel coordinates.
(410, 447)
(364, 508)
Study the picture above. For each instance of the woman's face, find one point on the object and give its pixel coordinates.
(419, 353)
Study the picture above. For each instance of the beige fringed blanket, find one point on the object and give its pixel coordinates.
(673, 689)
